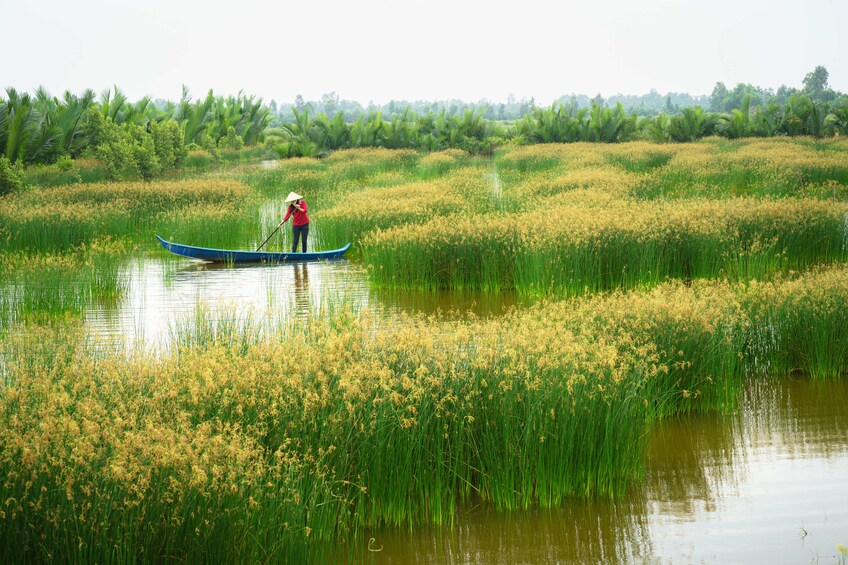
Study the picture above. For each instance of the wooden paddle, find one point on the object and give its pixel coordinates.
(270, 236)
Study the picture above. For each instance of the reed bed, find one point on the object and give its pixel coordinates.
(545, 220)
(63, 247)
(365, 162)
(767, 167)
(437, 164)
(373, 208)
(800, 326)
(51, 285)
(250, 443)
(275, 449)
(594, 242)
(712, 168)
(66, 172)
(342, 171)
(567, 219)
(354, 192)
(60, 218)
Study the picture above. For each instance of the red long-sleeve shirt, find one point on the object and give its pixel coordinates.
(299, 217)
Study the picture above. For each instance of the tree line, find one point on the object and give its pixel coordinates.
(306, 136)
(721, 100)
(149, 137)
(141, 136)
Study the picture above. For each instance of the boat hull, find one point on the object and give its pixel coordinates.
(236, 256)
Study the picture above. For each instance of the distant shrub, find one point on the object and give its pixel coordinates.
(232, 141)
(199, 159)
(133, 150)
(210, 146)
(11, 175)
(168, 143)
(144, 157)
(65, 164)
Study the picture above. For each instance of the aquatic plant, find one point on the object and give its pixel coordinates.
(592, 241)
(63, 217)
(280, 445)
(35, 286)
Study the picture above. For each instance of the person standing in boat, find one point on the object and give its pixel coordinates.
(300, 221)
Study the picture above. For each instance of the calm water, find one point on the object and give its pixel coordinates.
(769, 485)
(164, 296)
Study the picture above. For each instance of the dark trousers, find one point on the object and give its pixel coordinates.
(298, 232)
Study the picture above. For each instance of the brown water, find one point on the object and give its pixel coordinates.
(769, 485)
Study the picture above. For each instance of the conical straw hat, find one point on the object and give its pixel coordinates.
(293, 196)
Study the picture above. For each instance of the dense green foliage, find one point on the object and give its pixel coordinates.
(10, 175)
(310, 137)
(307, 137)
(42, 128)
(534, 218)
(131, 139)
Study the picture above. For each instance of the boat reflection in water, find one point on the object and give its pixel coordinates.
(163, 295)
(301, 290)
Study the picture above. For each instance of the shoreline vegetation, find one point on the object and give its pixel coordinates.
(655, 279)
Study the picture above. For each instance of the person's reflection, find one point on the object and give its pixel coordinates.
(301, 290)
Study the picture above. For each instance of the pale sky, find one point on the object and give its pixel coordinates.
(379, 50)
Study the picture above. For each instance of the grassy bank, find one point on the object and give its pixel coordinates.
(35, 286)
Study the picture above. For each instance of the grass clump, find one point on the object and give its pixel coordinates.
(50, 285)
(596, 242)
(60, 218)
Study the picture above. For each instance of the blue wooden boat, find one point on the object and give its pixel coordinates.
(235, 256)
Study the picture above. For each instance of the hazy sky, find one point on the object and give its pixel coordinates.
(410, 49)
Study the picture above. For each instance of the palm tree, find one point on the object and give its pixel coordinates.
(471, 124)
(111, 104)
(304, 137)
(557, 124)
(193, 118)
(70, 118)
(141, 113)
(399, 132)
(804, 116)
(26, 132)
(253, 121)
(16, 116)
(836, 122)
(430, 136)
(365, 130)
(693, 124)
(336, 133)
(768, 120)
(738, 123)
(658, 128)
(610, 126)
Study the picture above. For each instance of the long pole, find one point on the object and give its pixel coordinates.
(270, 236)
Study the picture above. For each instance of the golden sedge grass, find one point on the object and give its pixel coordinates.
(272, 448)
